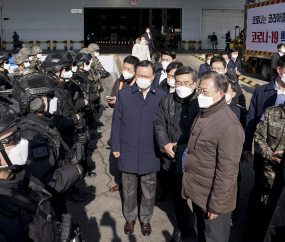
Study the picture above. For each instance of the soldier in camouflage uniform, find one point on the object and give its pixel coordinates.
(270, 143)
(23, 63)
(36, 63)
(94, 76)
(28, 53)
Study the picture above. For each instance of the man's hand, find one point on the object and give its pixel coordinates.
(246, 154)
(212, 216)
(112, 102)
(169, 149)
(117, 154)
(238, 73)
(275, 156)
(86, 102)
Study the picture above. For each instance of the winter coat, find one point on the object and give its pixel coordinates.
(203, 68)
(149, 41)
(172, 124)
(212, 161)
(141, 51)
(239, 111)
(158, 74)
(236, 65)
(274, 64)
(214, 38)
(132, 130)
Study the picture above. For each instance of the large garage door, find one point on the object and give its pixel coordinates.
(220, 21)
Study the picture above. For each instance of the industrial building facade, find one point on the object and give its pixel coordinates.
(119, 19)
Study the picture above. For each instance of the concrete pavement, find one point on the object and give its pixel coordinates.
(100, 216)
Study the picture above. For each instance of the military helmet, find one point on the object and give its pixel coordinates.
(25, 51)
(56, 61)
(27, 91)
(81, 58)
(20, 58)
(36, 50)
(7, 121)
(85, 50)
(4, 56)
(93, 47)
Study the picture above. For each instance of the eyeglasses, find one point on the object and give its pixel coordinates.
(179, 84)
(217, 69)
(205, 93)
(13, 136)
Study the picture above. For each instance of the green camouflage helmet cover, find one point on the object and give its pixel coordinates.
(85, 50)
(20, 58)
(93, 47)
(25, 51)
(36, 50)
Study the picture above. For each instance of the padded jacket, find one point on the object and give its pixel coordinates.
(212, 161)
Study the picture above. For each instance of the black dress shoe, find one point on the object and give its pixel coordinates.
(162, 197)
(79, 192)
(76, 198)
(176, 237)
(129, 227)
(145, 229)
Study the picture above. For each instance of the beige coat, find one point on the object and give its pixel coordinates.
(141, 51)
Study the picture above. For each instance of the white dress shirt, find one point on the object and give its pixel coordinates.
(144, 94)
(171, 90)
(163, 76)
(280, 94)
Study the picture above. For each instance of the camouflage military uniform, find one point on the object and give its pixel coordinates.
(19, 59)
(36, 64)
(268, 138)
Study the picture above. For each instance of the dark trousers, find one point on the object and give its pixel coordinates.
(163, 181)
(180, 204)
(227, 47)
(217, 230)
(130, 187)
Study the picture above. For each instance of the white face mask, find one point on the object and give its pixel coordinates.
(97, 54)
(234, 56)
(6, 66)
(127, 75)
(143, 83)
(142, 41)
(19, 154)
(205, 102)
(74, 68)
(86, 68)
(220, 72)
(147, 31)
(53, 105)
(171, 82)
(164, 65)
(283, 50)
(31, 58)
(27, 64)
(183, 92)
(39, 56)
(67, 75)
(282, 77)
(208, 62)
(228, 97)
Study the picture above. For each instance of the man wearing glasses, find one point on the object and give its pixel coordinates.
(172, 124)
(212, 160)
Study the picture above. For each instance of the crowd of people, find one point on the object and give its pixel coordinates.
(191, 128)
(48, 116)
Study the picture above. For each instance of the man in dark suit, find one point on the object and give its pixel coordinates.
(148, 37)
(275, 58)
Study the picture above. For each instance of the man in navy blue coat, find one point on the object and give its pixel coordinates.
(206, 66)
(235, 62)
(133, 145)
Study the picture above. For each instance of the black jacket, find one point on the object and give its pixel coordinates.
(274, 64)
(239, 111)
(172, 124)
(214, 38)
(149, 41)
(239, 98)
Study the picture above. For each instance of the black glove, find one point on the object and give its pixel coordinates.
(84, 137)
(81, 122)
